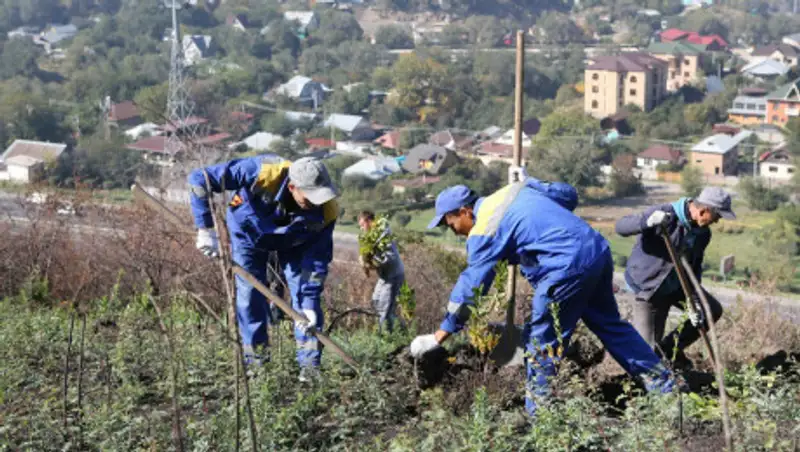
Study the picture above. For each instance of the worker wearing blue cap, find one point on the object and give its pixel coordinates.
(569, 264)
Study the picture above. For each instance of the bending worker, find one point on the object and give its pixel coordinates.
(567, 262)
(651, 275)
(282, 207)
(391, 274)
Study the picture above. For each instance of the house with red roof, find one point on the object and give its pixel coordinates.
(659, 154)
(124, 115)
(712, 42)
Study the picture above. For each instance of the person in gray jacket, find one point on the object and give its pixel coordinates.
(650, 273)
(391, 275)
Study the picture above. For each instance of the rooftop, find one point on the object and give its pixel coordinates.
(625, 62)
(768, 50)
(675, 47)
(720, 143)
(765, 68)
(123, 111)
(661, 152)
(39, 150)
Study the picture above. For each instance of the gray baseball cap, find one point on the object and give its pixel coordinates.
(717, 199)
(311, 176)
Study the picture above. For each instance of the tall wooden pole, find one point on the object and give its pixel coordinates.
(511, 288)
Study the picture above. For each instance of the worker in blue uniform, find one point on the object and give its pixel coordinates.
(530, 223)
(279, 207)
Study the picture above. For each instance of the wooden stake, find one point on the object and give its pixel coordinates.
(511, 289)
(66, 371)
(719, 367)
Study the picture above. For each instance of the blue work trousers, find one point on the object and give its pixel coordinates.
(253, 312)
(588, 296)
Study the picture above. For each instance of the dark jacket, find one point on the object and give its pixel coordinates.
(649, 263)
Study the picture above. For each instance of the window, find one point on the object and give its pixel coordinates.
(716, 170)
(790, 170)
(698, 161)
(595, 89)
(648, 162)
(773, 169)
(633, 79)
(686, 74)
(594, 104)
(632, 92)
(738, 105)
(762, 107)
(751, 106)
(686, 62)
(595, 76)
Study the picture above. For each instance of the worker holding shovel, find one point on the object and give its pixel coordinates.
(651, 271)
(278, 206)
(530, 223)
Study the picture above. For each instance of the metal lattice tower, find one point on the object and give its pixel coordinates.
(179, 105)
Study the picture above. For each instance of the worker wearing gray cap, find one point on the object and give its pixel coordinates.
(650, 273)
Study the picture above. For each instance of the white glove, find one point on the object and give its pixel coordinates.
(517, 173)
(311, 325)
(423, 344)
(695, 318)
(658, 218)
(207, 242)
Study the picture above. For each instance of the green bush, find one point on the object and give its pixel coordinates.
(759, 196)
(692, 181)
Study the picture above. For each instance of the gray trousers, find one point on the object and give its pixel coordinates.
(650, 319)
(384, 299)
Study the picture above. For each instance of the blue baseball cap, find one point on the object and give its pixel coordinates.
(451, 199)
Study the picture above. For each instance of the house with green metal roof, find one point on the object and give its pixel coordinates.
(783, 103)
(684, 60)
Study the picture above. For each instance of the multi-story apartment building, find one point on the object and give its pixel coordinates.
(611, 82)
(684, 61)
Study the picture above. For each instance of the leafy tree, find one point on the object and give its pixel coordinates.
(692, 181)
(759, 196)
(570, 161)
(277, 123)
(152, 103)
(19, 58)
(567, 123)
(394, 37)
(418, 81)
(336, 27)
(99, 163)
(29, 116)
(412, 137)
(622, 181)
(558, 28)
(280, 37)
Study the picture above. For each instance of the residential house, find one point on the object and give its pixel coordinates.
(259, 141)
(657, 155)
(777, 164)
(144, 130)
(764, 70)
(124, 115)
(53, 35)
(749, 107)
(453, 140)
(197, 48)
(783, 53)
(792, 40)
(373, 168)
(429, 159)
(237, 22)
(23, 32)
(428, 34)
(712, 42)
(26, 160)
(684, 61)
(401, 186)
(357, 128)
(612, 82)
(718, 154)
(389, 140)
(300, 116)
(491, 151)
(306, 21)
(783, 103)
(490, 133)
(530, 127)
(155, 150)
(303, 90)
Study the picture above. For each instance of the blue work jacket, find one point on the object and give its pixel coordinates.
(523, 225)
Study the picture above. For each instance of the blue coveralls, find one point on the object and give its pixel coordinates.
(262, 217)
(568, 263)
